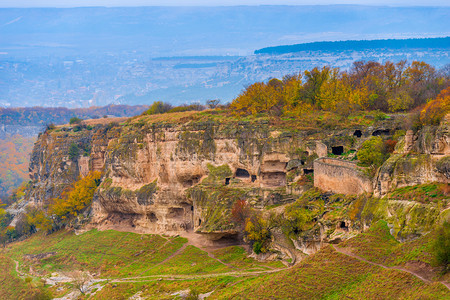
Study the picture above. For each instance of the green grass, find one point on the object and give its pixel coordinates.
(108, 253)
(423, 193)
(378, 245)
(331, 275)
(191, 261)
(237, 257)
(325, 275)
(13, 287)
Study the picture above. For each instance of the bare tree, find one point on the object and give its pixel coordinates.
(213, 103)
(80, 280)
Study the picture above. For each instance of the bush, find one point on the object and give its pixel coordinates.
(257, 230)
(158, 107)
(73, 151)
(372, 152)
(441, 247)
(193, 295)
(50, 126)
(75, 120)
(257, 247)
(37, 219)
(443, 165)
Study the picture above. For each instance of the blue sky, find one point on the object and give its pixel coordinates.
(78, 3)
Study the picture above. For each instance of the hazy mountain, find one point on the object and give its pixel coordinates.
(206, 30)
(81, 57)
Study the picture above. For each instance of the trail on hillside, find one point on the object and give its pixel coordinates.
(158, 277)
(347, 252)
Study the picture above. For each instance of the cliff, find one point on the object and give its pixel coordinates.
(184, 171)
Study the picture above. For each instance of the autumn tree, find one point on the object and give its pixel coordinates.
(76, 198)
(436, 109)
(240, 212)
(257, 230)
(38, 220)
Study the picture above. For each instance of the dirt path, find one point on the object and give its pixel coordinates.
(158, 277)
(17, 269)
(347, 252)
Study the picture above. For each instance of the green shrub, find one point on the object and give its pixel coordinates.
(441, 247)
(75, 120)
(380, 116)
(257, 246)
(73, 151)
(372, 152)
(158, 107)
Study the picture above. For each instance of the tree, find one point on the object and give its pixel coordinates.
(76, 198)
(258, 231)
(240, 212)
(435, 110)
(372, 153)
(75, 120)
(314, 81)
(80, 280)
(441, 247)
(158, 107)
(74, 151)
(213, 103)
(37, 219)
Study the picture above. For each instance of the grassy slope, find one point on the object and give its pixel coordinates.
(331, 275)
(111, 254)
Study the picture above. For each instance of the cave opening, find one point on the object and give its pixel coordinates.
(342, 225)
(199, 222)
(152, 217)
(192, 207)
(227, 181)
(175, 212)
(381, 132)
(308, 171)
(191, 181)
(242, 173)
(337, 150)
(253, 178)
(357, 133)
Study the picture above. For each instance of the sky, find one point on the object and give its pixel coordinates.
(80, 3)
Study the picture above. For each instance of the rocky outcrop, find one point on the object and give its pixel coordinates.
(419, 158)
(169, 177)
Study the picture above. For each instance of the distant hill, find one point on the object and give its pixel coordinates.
(393, 44)
(20, 126)
(38, 116)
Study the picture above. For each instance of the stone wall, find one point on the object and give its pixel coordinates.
(340, 176)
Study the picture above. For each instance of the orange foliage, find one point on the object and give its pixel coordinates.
(436, 109)
(74, 200)
(14, 156)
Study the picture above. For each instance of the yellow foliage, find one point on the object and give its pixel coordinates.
(38, 219)
(77, 198)
(436, 109)
(257, 229)
(258, 97)
(401, 102)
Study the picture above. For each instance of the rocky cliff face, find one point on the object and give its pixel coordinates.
(420, 157)
(170, 177)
